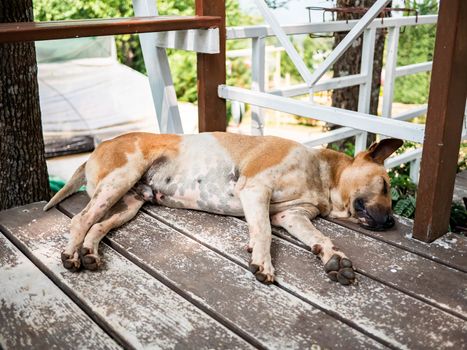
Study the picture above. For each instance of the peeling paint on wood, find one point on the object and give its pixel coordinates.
(34, 313)
(450, 249)
(132, 305)
(378, 309)
(435, 283)
(272, 316)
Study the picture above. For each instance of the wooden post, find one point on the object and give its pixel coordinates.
(446, 105)
(211, 73)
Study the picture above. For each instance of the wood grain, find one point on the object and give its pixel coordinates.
(128, 303)
(443, 129)
(211, 72)
(33, 31)
(35, 313)
(449, 250)
(371, 306)
(271, 316)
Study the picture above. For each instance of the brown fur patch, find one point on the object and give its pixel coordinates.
(254, 154)
(337, 162)
(113, 154)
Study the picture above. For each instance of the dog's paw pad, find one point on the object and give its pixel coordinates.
(260, 274)
(89, 260)
(70, 262)
(340, 270)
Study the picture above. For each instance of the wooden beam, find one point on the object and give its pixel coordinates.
(446, 105)
(33, 31)
(211, 73)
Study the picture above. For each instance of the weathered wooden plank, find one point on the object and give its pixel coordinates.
(135, 308)
(462, 175)
(30, 31)
(36, 313)
(275, 318)
(371, 306)
(437, 284)
(450, 249)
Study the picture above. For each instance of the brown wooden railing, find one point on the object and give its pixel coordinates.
(34, 31)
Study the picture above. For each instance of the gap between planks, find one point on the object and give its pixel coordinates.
(43, 244)
(449, 331)
(401, 237)
(54, 320)
(395, 293)
(121, 236)
(63, 287)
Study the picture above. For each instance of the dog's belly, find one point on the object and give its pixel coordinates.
(202, 177)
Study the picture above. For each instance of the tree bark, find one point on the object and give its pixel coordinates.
(23, 170)
(349, 63)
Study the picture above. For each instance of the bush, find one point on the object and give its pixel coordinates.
(403, 193)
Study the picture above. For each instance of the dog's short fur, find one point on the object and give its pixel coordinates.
(266, 179)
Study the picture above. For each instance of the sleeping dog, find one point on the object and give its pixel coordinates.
(265, 179)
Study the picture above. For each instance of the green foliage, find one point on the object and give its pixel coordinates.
(416, 44)
(183, 64)
(458, 218)
(311, 49)
(276, 3)
(403, 190)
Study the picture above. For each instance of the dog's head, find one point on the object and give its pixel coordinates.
(365, 186)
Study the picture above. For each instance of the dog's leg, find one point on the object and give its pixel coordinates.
(297, 222)
(113, 187)
(123, 211)
(255, 203)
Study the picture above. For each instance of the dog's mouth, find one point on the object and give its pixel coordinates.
(366, 221)
(376, 221)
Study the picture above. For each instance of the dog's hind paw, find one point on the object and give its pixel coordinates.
(89, 260)
(340, 270)
(70, 261)
(264, 275)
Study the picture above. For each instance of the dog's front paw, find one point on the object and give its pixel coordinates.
(340, 270)
(263, 272)
(71, 261)
(89, 260)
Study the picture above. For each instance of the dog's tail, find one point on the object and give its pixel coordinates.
(77, 180)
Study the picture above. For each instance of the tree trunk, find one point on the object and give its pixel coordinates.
(23, 171)
(349, 64)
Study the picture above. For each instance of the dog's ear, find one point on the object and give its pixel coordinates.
(379, 151)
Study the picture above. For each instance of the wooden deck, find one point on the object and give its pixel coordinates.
(180, 279)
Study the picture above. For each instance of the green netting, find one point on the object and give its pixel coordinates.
(56, 184)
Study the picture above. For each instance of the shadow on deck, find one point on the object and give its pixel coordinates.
(180, 279)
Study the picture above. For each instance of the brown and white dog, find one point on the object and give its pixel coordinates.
(266, 179)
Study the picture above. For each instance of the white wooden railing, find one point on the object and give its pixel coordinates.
(407, 131)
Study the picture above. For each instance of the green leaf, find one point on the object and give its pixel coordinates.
(395, 195)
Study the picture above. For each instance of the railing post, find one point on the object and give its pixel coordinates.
(364, 94)
(390, 71)
(160, 78)
(211, 73)
(446, 103)
(258, 50)
(415, 169)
